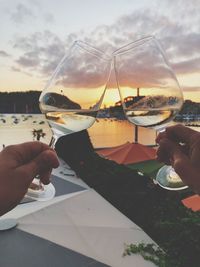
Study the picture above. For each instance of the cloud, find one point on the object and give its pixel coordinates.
(4, 54)
(178, 35)
(182, 47)
(194, 89)
(28, 61)
(180, 41)
(187, 66)
(15, 69)
(49, 18)
(136, 25)
(29, 12)
(84, 70)
(40, 52)
(21, 13)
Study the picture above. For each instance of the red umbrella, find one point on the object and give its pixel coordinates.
(129, 153)
(192, 202)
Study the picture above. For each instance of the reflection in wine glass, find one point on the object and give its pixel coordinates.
(141, 67)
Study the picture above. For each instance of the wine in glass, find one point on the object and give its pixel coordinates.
(150, 93)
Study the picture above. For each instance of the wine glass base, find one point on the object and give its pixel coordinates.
(7, 224)
(41, 192)
(168, 179)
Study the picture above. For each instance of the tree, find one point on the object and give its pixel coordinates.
(38, 133)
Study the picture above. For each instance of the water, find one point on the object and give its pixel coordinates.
(108, 133)
(18, 128)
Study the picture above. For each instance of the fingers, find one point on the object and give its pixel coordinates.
(41, 165)
(23, 153)
(45, 177)
(160, 136)
(187, 173)
(167, 149)
(180, 133)
(173, 154)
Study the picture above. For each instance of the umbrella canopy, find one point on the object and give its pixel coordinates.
(129, 153)
(192, 202)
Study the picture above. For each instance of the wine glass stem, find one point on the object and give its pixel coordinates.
(53, 142)
(52, 145)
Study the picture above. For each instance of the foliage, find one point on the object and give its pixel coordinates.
(38, 133)
(151, 252)
(190, 107)
(20, 102)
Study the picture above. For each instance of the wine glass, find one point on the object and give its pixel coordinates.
(73, 95)
(150, 93)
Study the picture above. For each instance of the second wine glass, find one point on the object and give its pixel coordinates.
(150, 93)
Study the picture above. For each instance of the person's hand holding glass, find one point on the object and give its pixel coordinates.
(150, 93)
(184, 158)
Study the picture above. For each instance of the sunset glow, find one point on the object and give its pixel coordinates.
(38, 34)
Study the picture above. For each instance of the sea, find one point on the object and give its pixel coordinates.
(17, 128)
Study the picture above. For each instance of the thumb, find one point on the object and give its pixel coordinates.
(180, 133)
(184, 169)
(173, 153)
(167, 150)
(179, 160)
(43, 163)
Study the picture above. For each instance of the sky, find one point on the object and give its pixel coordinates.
(36, 34)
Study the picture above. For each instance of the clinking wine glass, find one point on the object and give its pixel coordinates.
(73, 95)
(150, 93)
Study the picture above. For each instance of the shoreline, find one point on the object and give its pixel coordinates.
(17, 128)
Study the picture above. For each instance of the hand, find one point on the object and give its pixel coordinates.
(19, 164)
(179, 146)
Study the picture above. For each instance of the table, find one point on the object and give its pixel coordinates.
(78, 228)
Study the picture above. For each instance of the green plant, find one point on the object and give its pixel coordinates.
(151, 252)
(38, 133)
